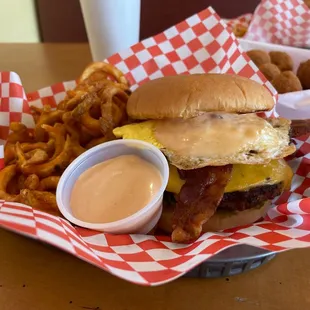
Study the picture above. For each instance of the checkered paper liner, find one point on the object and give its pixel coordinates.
(243, 20)
(199, 44)
(285, 22)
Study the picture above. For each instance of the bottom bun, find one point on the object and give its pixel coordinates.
(221, 220)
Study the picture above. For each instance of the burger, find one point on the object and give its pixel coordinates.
(226, 161)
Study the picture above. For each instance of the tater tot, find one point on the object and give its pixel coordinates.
(259, 57)
(303, 74)
(286, 82)
(270, 71)
(282, 60)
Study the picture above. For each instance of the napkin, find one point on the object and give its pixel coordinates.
(294, 105)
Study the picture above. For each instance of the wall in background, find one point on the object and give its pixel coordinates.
(18, 21)
(62, 20)
(158, 15)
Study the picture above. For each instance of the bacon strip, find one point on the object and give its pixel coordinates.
(198, 200)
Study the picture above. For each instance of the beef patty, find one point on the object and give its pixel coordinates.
(240, 200)
(256, 196)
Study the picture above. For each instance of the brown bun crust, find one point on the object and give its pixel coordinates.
(220, 220)
(186, 96)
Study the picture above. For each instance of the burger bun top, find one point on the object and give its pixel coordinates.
(186, 96)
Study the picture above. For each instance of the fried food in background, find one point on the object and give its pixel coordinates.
(282, 60)
(286, 82)
(278, 70)
(86, 117)
(307, 3)
(240, 30)
(270, 71)
(303, 74)
(259, 57)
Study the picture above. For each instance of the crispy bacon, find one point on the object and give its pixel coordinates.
(198, 200)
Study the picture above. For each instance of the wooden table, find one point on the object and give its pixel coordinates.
(34, 276)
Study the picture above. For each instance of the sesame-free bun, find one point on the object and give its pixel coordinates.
(221, 220)
(186, 96)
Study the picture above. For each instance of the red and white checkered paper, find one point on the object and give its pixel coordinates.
(285, 22)
(243, 20)
(199, 44)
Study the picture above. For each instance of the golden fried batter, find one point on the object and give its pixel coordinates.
(43, 201)
(259, 57)
(32, 182)
(270, 71)
(59, 163)
(46, 118)
(6, 174)
(37, 160)
(282, 60)
(303, 74)
(286, 82)
(49, 183)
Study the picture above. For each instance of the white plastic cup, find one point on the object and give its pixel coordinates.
(141, 222)
(111, 25)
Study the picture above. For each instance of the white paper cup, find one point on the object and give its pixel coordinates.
(141, 222)
(111, 25)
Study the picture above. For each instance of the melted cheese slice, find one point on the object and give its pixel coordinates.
(243, 176)
(140, 131)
